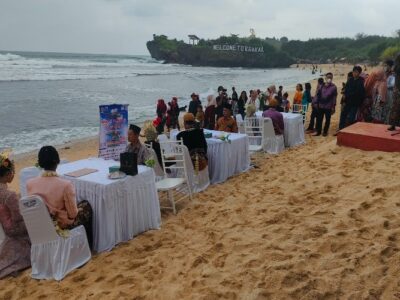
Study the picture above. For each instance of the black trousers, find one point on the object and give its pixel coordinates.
(313, 118)
(327, 113)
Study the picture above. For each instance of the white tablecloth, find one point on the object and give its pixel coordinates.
(122, 208)
(294, 128)
(227, 159)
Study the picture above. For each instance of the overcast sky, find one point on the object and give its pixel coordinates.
(124, 26)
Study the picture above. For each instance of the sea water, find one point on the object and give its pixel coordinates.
(54, 98)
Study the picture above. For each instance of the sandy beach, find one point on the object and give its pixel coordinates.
(316, 222)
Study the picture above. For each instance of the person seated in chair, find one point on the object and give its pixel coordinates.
(226, 122)
(15, 251)
(275, 116)
(59, 194)
(193, 138)
(135, 146)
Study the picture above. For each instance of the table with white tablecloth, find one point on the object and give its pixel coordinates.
(226, 159)
(294, 128)
(122, 208)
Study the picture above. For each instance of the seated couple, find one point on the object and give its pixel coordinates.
(59, 195)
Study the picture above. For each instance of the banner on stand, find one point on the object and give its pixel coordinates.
(113, 130)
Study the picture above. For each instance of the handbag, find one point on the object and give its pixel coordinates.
(128, 162)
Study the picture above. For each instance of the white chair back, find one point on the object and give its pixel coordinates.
(2, 234)
(239, 118)
(37, 220)
(254, 129)
(268, 128)
(300, 109)
(24, 176)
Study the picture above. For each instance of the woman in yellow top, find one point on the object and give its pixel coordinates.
(298, 96)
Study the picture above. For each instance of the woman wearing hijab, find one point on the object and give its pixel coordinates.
(209, 114)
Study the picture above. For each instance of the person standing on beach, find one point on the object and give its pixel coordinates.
(209, 114)
(234, 94)
(242, 102)
(253, 99)
(354, 96)
(314, 107)
(194, 103)
(173, 114)
(395, 112)
(326, 105)
(280, 94)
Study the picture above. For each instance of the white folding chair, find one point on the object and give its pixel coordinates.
(255, 131)
(25, 175)
(273, 144)
(173, 158)
(240, 123)
(300, 109)
(52, 256)
(2, 235)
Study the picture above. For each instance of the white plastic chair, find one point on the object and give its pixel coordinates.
(173, 158)
(255, 131)
(240, 123)
(2, 235)
(52, 256)
(300, 109)
(25, 175)
(273, 144)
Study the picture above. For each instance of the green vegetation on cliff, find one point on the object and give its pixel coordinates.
(277, 52)
(203, 53)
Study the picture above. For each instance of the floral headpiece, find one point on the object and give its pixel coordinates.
(5, 160)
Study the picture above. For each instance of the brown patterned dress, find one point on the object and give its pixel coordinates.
(15, 251)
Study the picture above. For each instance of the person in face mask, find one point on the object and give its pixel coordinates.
(326, 104)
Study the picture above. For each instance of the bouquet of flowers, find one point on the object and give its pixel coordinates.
(224, 138)
(150, 163)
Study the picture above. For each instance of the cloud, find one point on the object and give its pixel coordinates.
(124, 26)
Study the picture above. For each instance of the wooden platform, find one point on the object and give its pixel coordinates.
(369, 137)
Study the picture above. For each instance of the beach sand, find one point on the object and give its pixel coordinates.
(316, 222)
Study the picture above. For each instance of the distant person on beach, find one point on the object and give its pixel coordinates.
(394, 118)
(194, 103)
(161, 108)
(280, 94)
(59, 195)
(354, 96)
(242, 103)
(15, 250)
(193, 138)
(275, 116)
(306, 98)
(200, 116)
(234, 94)
(253, 99)
(209, 114)
(226, 122)
(173, 114)
(326, 104)
(298, 96)
(389, 69)
(285, 102)
(314, 106)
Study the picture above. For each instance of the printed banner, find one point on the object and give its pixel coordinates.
(113, 130)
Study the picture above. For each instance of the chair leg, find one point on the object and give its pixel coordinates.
(171, 199)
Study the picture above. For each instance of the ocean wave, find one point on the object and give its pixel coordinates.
(10, 57)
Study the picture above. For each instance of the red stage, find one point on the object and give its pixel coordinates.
(369, 137)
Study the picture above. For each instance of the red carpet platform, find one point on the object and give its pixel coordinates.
(369, 137)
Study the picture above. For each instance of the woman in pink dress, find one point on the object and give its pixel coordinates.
(16, 248)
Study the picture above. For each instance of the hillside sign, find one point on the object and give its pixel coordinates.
(239, 48)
